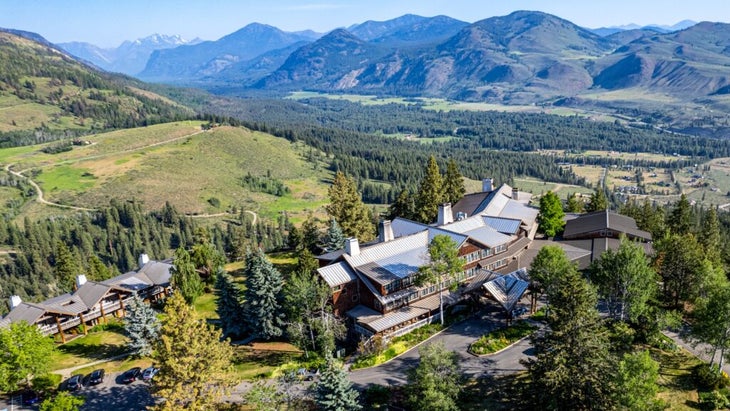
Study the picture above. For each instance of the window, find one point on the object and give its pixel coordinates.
(355, 297)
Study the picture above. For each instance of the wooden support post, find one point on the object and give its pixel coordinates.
(83, 324)
(121, 305)
(60, 331)
(101, 308)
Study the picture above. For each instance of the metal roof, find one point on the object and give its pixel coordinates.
(27, 312)
(603, 220)
(68, 304)
(402, 227)
(383, 322)
(508, 226)
(131, 281)
(337, 274)
(158, 272)
(489, 236)
(508, 289)
(91, 292)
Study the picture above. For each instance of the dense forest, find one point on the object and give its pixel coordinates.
(107, 243)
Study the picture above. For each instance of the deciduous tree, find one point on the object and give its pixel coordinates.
(549, 265)
(436, 383)
(63, 401)
(185, 278)
(262, 308)
(195, 365)
(551, 215)
(712, 322)
(679, 258)
(443, 265)
(347, 208)
(24, 353)
(636, 383)
(141, 326)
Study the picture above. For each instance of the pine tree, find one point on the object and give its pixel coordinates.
(334, 239)
(597, 201)
(310, 234)
(306, 263)
(97, 270)
(453, 183)
(680, 218)
(403, 207)
(572, 205)
(347, 208)
(195, 365)
(229, 305)
(430, 194)
(572, 368)
(334, 392)
(141, 326)
(263, 292)
(185, 278)
(435, 384)
(66, 266)
(709, 236)
(551, 215)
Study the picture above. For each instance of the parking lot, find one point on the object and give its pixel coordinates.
(110, 395)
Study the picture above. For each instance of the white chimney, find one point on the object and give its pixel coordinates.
(515, 193)
(352, 247)
(15, 301)
(386, 233)
(487, 185)
(143, 259)
(80, 280)
(445, 214)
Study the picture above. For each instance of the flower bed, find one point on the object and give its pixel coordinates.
(499, 339)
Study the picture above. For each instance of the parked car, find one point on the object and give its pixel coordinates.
(131, 375)
(30, 397)
(148, 373)
(96, 377)
(75, 382)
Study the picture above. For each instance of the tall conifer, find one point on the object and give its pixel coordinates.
(430, 193)
(262, 310)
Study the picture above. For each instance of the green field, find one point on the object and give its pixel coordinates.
(153, 164)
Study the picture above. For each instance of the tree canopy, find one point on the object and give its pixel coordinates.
(430, 193)
(262, 297)
(551, 215)
(141, 326)
(24, 353)
(435, 384)
(347, 208)
(185, 278)
(443, 265)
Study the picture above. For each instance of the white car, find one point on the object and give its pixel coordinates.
(148, 373)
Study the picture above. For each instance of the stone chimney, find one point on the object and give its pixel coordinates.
(386, 231)
(487, 185)
(515, 193)
(15, 301)
(80, 280)
(445, 214)
(143, 259)
(352, 247)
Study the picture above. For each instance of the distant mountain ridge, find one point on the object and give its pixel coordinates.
(130, 57)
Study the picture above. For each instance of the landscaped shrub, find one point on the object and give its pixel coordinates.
(496, 340)
(47, 382)
(713, 400)
(709, 378)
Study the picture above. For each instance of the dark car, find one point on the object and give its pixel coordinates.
(131, 375)
(96, 377)
(75, 382)
(30, 397)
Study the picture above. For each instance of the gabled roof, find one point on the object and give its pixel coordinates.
(392, 260)
(508, 226)
(337, 274)
(498, 203)
(27, 312)
(508, 289)
(603, 220)
(91, 292)
(68, 304)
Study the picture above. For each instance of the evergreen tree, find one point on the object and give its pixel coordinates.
(625, 280)
(430, 193)
(347, 208)
(453, 183)
(443, 265)
(709, 236)
(572, 368)
(551, 215)
(141, 326)
(597, 201)
(573, 205)
(334, 239)
(404, 206)
(334, 392)
(195, 365)
(310, 234)
(294, 240)
(262, 309)
(680, 218)
(24, 353)
(97, 270)
(185, 278)
(66, 267)
(306, 263)
(435, 384)
(229, 305)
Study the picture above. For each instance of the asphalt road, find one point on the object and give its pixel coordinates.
(456, 338)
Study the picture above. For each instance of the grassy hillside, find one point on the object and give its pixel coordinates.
(199, 172)
(45, 94)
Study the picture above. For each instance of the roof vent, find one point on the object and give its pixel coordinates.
(460, 215)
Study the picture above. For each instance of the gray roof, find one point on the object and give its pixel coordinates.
(159, 272)
(379, 323)
(92, 292)
(69, 304)
(392, 260)
(337, 274)
(508, 226)
(508, 289)
(603, 220)
(27, 312)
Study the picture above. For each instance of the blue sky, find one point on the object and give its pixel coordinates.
(109, 22)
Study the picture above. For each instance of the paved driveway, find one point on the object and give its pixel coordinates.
(456, 338)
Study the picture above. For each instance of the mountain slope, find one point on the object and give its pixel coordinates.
(190, 62)
(46, 94)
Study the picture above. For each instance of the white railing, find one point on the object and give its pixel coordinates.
(410, 327)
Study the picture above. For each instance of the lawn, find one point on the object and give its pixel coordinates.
(95, 346)
(205, 306)
(269, 359)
